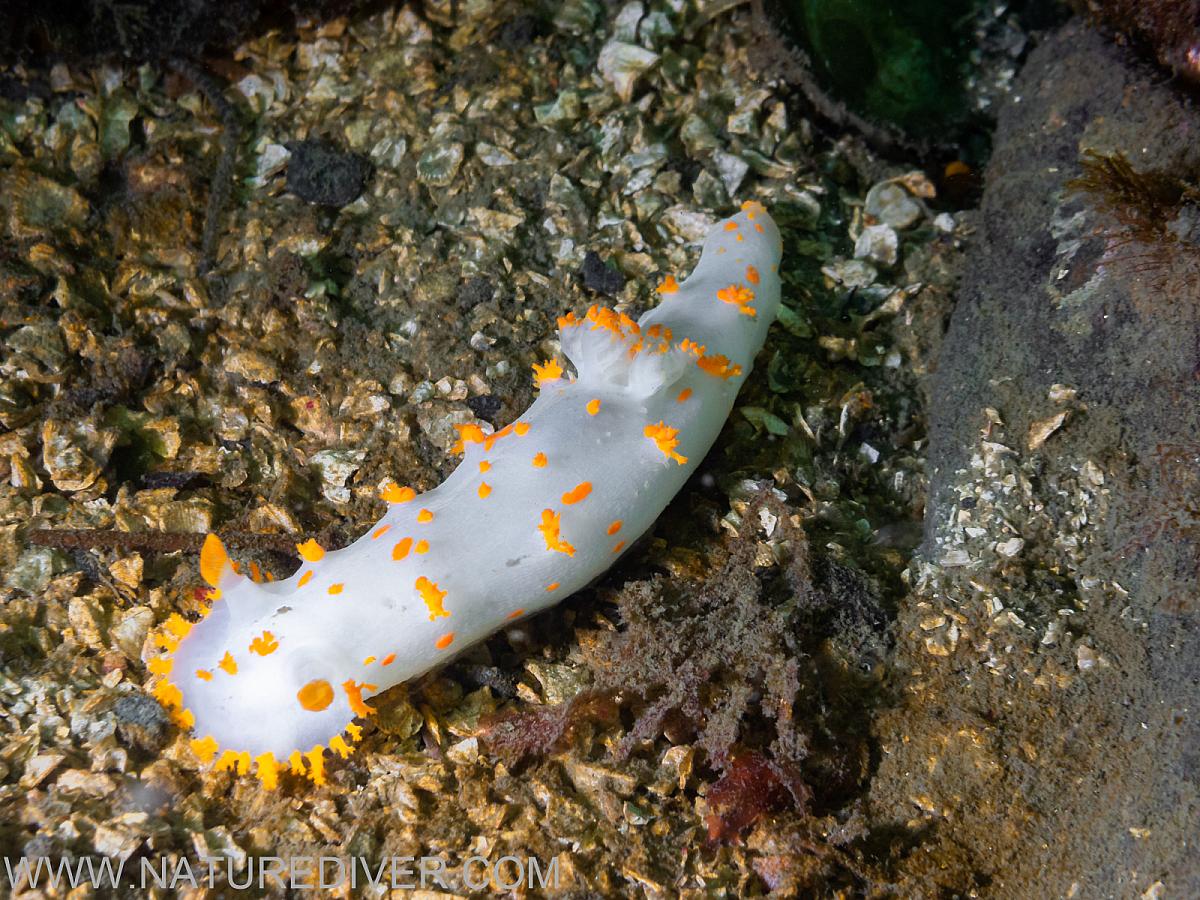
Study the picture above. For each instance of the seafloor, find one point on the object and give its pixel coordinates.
(757, 698)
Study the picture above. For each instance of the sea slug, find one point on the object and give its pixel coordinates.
(276, 671)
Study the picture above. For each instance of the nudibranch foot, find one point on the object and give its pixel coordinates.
(275, 673)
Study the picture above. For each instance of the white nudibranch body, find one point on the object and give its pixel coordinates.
(276, 672)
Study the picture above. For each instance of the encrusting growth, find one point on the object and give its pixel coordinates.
(275, 672)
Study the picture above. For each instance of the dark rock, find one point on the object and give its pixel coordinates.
(599, 277)
(141, 722)
(1065, 285)
(475, 291)
(486, 407)
(320, 173)
(521, 31)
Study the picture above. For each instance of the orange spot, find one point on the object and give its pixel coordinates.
(380, 531)
(719, 365)
(757, 227)
(305, 578)
(388, 660)
(548, 371)
(311, 551)
(424, 516)
(577, 493)
(255, 573)
(432, 598)
(469, 433)
(484, 489)
(212, 559)
(669, 285)
(354, 692)
(336, 588)
(552, 586)
(593, 407)
(615, 527)
(620, 546)
(516, 613)
(752, 275)
(568, 321)
(520, 429)
(666, 439)
(551, 523)
(368, 660)
(731, 226)
(740, 296)
(539, 461)
(445, 640)
(267, 771)
(228, 663)
(401, 549)
(265, 644)
(484, 465)
(204, 674)
(205, 748)
(422, 546)
(683, 395)
(316, 695)
(393, 493)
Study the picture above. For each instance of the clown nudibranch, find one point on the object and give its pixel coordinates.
(277, 671)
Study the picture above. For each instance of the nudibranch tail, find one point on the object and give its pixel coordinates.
(273, 675)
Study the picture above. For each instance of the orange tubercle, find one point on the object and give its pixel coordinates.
(212, 559)
(546, 372)
(401, 549)
(424, 516)
(445, 640)
(593, 407)
(683, 395)
(614, 527)
(310, 551)
(752, 275)
(305, 578)
(393, 493)
(668, 286)
(539, 460)
(484, 490)
(336, 589)
(228, 664)
(422, 547)
(380, 532)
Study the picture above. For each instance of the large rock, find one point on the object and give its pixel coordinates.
(1048, 743)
